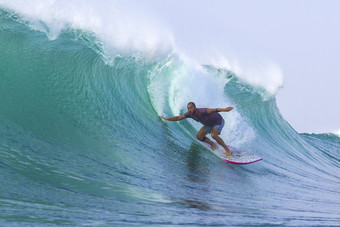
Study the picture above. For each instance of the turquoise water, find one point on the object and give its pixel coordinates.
(81, 142)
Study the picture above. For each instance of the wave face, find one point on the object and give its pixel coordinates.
(81, 141)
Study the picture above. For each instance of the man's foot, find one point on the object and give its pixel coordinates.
(214, 146)
(228, 153)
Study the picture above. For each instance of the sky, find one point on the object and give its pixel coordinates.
(301, 36)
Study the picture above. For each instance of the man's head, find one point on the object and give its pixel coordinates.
(191, 108)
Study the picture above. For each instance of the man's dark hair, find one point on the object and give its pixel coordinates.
(192, 104)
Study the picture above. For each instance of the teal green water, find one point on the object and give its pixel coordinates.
(81, 143)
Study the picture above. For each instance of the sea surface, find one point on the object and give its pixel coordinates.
(82, 143)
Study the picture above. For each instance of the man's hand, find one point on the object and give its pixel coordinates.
(228, 109)
(163, 117)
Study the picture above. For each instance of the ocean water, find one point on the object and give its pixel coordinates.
(81, 141)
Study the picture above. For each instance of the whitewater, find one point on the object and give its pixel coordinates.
(81, 141)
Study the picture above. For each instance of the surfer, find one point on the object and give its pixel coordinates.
(212, 122)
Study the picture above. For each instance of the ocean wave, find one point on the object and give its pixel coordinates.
(81, 135)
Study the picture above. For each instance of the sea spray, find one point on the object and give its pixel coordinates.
(122, 29)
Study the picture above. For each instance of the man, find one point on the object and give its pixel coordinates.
(212, 123)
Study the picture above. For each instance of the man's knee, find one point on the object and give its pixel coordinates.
(200, 138)
(214, 136)
(201, 134)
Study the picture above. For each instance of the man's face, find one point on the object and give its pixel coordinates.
(191, 109)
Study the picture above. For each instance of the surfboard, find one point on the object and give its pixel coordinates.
(240, 157)
(237, 156)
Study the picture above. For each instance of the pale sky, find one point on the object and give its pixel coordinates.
(301, 37)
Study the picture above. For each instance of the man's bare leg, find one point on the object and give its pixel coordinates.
(219, 140)
(201, 134)
(211, 143)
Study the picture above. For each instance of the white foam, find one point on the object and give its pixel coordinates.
(337, 132)
(119, 26)
(260, 73)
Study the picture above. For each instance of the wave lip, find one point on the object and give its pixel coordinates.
(119, 27)
(262, 74)
(337, 132)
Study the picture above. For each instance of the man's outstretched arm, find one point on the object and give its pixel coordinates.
(219, 110)
(176, 118)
